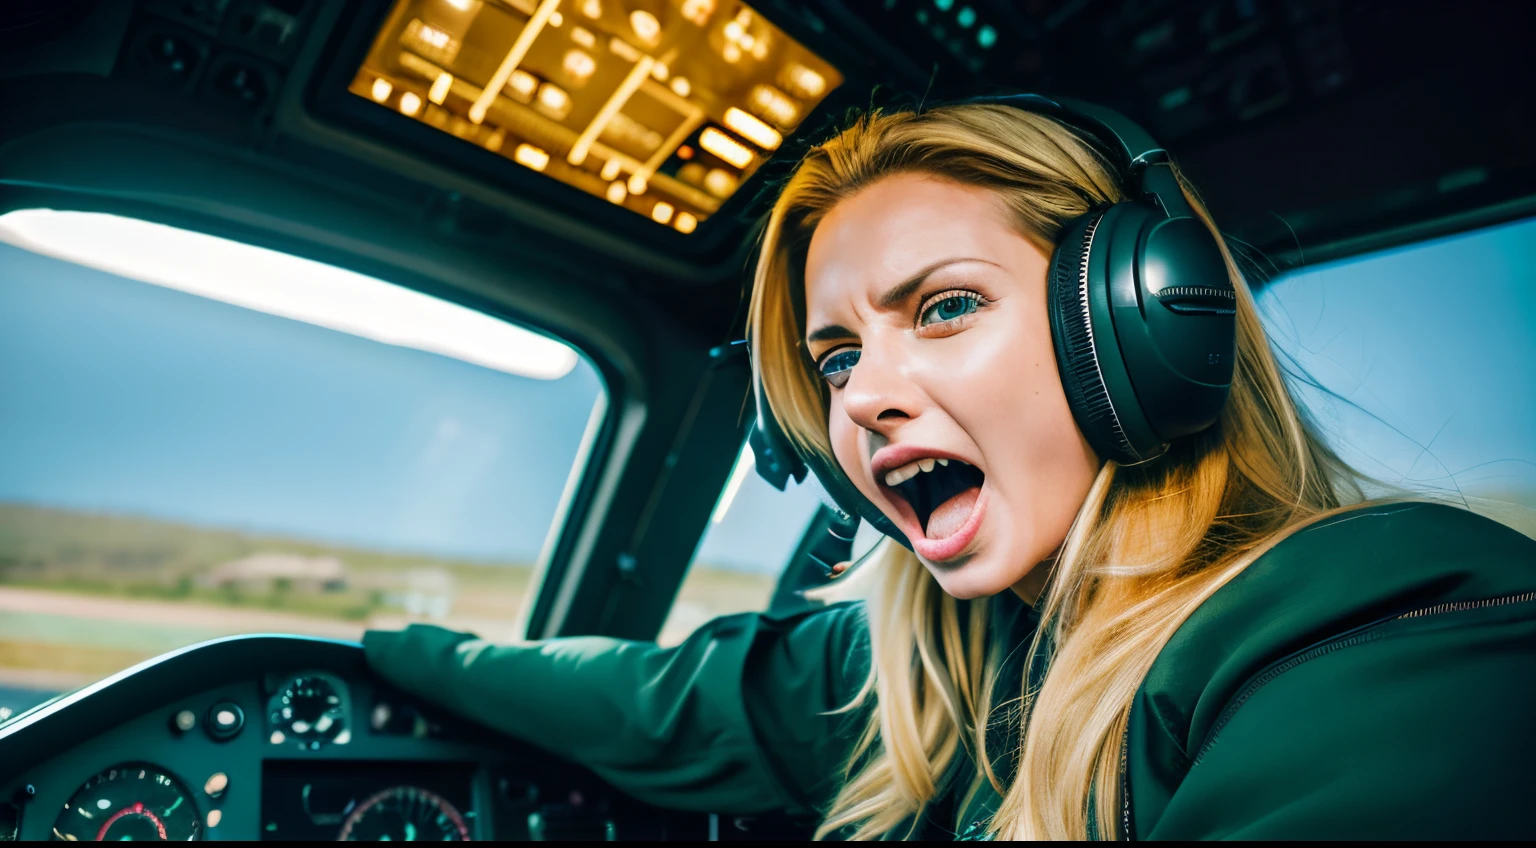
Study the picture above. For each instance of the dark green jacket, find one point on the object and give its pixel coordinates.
(1372, 676)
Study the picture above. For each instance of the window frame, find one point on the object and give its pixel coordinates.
(598, 440)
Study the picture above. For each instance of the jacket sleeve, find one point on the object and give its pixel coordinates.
(1422, 733)
(733, 720)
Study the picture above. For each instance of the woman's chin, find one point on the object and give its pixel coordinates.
(980, 577)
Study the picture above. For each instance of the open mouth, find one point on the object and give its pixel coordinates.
(941, 492)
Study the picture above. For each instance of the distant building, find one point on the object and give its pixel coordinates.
(429, 593)
(268, 571)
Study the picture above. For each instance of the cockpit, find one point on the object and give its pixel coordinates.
(321, 317)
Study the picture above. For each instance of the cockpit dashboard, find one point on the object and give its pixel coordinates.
(282, 738)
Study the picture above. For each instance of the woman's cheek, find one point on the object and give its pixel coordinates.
(986, 378)
(979, 356)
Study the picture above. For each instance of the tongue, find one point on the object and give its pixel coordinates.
(950, 516)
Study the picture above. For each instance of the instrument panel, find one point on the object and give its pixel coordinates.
(369, 802)
(283, 738)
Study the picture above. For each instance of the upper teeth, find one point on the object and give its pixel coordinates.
(897, 476)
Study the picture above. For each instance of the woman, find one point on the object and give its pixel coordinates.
(1219, 642)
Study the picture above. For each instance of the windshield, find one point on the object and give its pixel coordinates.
(752, 532)
(202, 438)
(1418, 365)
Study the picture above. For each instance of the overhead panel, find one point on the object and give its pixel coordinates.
(662, 107)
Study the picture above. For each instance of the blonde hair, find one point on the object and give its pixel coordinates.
(1148, 546)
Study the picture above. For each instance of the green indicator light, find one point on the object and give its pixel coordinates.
(966, 17)
(944, 5)
(986, 36)
(922, 16)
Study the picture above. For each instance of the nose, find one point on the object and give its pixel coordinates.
(879, 395)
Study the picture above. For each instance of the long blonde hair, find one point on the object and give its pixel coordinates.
(1148, 546)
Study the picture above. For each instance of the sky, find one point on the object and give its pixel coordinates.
(1429, 352)
(118, 396)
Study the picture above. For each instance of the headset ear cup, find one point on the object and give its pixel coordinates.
(1073, 336)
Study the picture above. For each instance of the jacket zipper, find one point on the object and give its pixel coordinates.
(1125, 786)
(1357, 636)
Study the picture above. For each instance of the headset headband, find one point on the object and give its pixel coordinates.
(1132, 147)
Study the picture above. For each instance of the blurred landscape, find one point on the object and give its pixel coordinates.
(85, 595)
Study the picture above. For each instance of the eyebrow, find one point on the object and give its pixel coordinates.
(892, 298)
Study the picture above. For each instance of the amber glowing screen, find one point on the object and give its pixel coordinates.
(663, 107)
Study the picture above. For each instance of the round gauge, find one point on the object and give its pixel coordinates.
(133, 801)
(404, 812)
(307, 710)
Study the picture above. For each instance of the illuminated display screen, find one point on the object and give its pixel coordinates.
(663, 107)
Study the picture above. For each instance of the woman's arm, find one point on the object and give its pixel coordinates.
(1423, 733)
(732, 720)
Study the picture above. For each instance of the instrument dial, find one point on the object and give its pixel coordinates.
(310, 711)
(134, 801)
(404, 813)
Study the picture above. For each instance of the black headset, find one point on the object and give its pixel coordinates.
(1142, 316)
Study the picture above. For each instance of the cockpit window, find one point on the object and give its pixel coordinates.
(744, 560)
(1420, 362)
(751, 536)
(202, 438)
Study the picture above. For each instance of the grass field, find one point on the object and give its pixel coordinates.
(120, 556)
(83, 595)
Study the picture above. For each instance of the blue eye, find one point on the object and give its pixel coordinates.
(949, 307)
(837, 368)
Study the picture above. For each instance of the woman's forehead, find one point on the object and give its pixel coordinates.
(892, 230)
